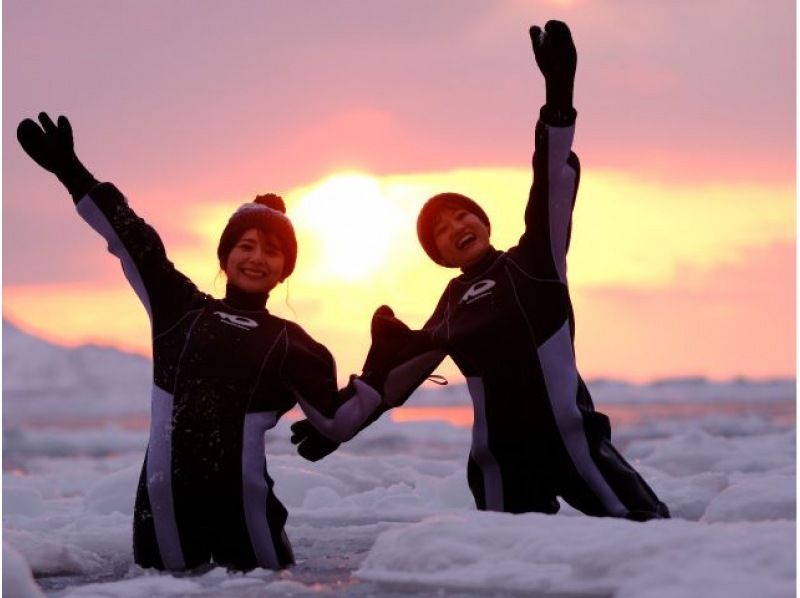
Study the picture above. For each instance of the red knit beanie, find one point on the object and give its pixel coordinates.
(267, 213)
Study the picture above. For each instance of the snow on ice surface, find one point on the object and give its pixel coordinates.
(17, 577)
(537, 553)
(389, 513)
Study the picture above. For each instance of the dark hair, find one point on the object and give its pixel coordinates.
(270, 220)
(432, 208)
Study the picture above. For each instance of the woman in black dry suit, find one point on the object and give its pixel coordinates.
(508, 324)
(224, 371)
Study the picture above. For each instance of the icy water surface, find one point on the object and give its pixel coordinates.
(390, 514)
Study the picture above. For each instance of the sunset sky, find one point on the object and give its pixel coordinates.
(683, 253)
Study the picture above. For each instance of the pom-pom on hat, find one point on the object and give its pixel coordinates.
(427, 219)
(267, 213)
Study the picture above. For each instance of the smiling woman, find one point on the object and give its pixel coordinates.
(351, 222)
(224, 372)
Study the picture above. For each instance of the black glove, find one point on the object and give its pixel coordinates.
(557, 59)
(389, 336)
(52, 148)
(311, 444)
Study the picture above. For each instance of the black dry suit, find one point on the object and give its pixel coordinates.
(224, 371)
(508, 324)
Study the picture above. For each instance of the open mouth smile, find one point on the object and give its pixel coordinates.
(253, 273)
(465, 241)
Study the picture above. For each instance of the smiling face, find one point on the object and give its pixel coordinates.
(461, 237)
(255, 264)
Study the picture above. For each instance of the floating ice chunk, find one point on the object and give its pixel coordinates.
(289, 589)
(52, 556)
(697, 451)
(321, 497)
(20, 498)
(496, 553)
(114, 492)
(754, 498)
(147, 586)
(17, 577)
(688, 497)
(295, 478)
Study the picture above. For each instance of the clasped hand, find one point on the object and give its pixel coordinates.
(389, 336)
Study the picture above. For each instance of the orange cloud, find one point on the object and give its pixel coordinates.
(733, 319)
(664, 279)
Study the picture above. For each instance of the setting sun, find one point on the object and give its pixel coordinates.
(358, 249)
(352, 222)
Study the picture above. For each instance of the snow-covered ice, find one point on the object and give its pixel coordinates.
(536, 553)
(390, 514)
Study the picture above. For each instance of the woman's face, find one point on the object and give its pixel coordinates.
(255, 264)
(461, 237)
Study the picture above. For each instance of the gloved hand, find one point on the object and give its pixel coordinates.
(557, 59)
(311, 444)
(389, 336)
(52, 148)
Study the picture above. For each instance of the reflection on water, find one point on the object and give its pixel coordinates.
(776, 412)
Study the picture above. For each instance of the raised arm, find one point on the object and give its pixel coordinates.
(165, 292)
(556, 170)
(52, 147)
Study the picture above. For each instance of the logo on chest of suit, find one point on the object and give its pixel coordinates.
(238, 321)
(478, 291)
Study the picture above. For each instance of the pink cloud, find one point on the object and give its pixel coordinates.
(736, 319)
(181, 103)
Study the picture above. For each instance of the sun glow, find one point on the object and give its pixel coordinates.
(648, 265)
(349, 222)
